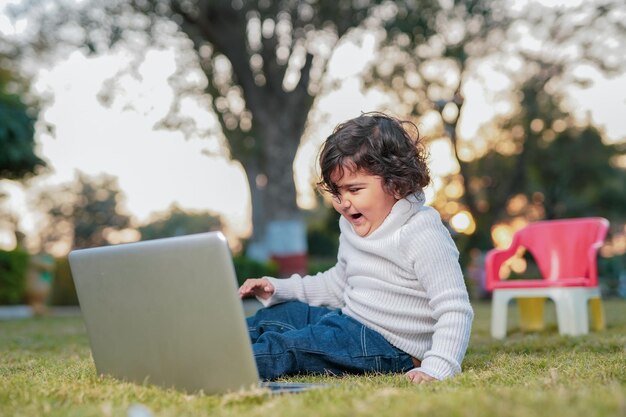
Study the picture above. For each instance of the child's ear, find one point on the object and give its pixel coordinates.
(393, 190)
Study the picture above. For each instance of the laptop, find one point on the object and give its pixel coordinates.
(167, 312)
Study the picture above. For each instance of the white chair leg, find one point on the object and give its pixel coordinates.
(563, 311)
(580, 323)
(571, 310)
(499, 311)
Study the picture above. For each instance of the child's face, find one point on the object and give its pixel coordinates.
(362, 200)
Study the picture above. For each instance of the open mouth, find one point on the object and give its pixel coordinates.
(356, 216)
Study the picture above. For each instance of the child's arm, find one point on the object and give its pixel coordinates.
(323, 289)
(436, 266)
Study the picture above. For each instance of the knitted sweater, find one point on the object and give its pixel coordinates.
(403, 281)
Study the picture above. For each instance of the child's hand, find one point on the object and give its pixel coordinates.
(256, 287)
(419, 377)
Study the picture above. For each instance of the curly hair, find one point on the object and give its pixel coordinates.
(380, 145)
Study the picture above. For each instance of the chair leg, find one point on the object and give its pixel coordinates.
(598, 322)
(499, 310)
(571, 311)
(563, 313)
(531, 313)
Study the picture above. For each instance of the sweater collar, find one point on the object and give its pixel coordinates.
(397, 217)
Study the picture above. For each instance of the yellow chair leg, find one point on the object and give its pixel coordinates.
(531, 313)
(598, 322)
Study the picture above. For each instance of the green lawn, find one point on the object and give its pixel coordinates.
(46, 370)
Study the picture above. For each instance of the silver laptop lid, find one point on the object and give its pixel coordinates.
(166, 312)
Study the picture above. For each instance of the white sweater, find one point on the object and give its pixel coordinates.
(403, 281)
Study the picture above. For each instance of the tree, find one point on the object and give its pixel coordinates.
(87, 210)
(17, 131)
(565, 161)
(544, 166)
(176, 222)
(264, 63)
(428, 76)
(537, 51)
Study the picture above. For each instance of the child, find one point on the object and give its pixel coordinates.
(396, 300)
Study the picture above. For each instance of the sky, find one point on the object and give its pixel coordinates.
(157, 168)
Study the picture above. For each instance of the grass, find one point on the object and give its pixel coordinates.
(46, 370)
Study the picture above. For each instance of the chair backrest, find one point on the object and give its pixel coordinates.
(565, 248)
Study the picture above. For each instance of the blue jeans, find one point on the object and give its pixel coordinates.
(295, 338)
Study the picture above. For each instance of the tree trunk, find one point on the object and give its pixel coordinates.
(279, 230)
(278, 120)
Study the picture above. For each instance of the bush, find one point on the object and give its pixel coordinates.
(247, 268)
(323, 232)
(322, 242)
(317, 265)
(609, 272)
(63, 290)
(13, 267)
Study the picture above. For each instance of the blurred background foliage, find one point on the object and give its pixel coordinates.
(13, 266)
(17, 128)
(82, 214)
(178, 222)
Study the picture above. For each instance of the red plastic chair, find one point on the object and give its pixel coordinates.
(566, 253)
